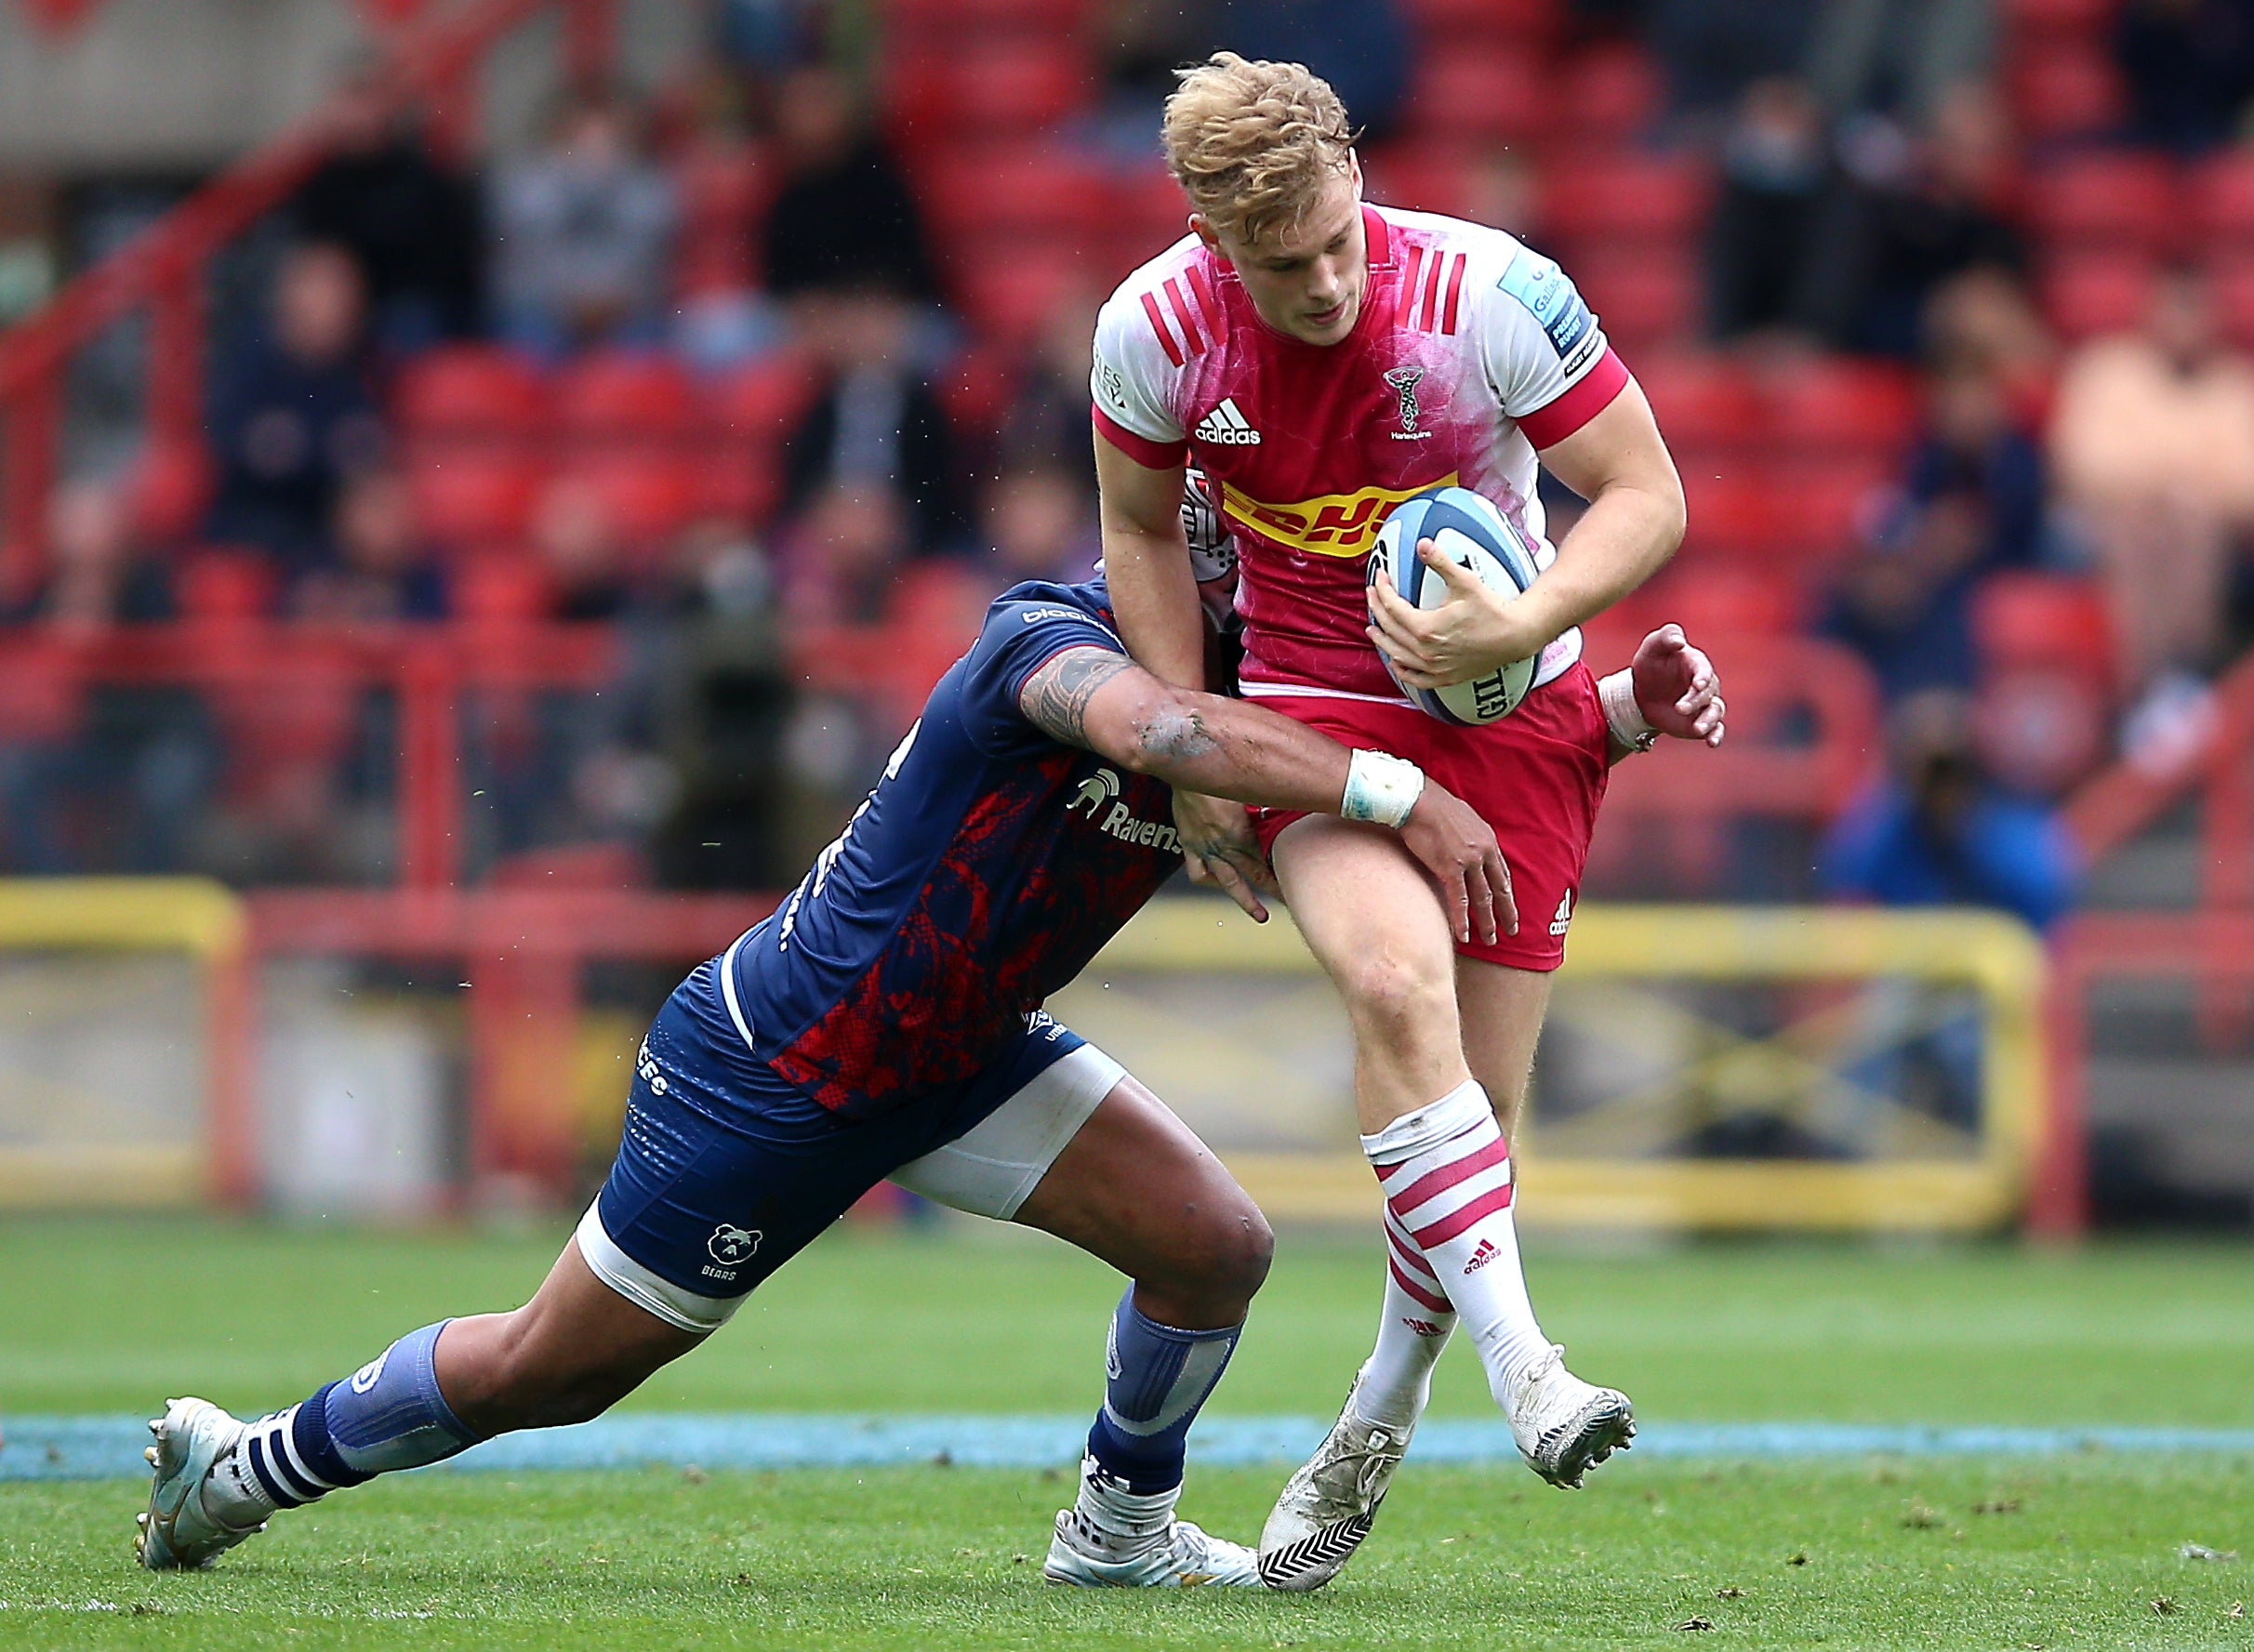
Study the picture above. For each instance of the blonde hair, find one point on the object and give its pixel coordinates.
(1254, 143)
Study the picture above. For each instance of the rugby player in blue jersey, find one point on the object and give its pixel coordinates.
(886, 1022)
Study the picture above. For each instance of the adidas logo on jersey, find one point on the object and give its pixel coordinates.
(1227, 426)
(1482, 1256)
(1565, 914)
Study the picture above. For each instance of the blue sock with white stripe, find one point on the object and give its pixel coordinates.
(388, 1415)
(1159, 1377)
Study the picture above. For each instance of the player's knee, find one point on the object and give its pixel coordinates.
(1225, 1255)
(1398, 1001)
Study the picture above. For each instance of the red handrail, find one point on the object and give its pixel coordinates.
(431, 63)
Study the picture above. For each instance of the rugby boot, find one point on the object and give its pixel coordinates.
(177, 1531)
(1563, 1426)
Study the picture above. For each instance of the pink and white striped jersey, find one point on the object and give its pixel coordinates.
(1471, 350)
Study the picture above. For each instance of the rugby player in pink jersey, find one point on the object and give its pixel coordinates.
(1321, 359)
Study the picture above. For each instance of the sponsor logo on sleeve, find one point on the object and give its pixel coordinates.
(1109, 387)
(1538, 283)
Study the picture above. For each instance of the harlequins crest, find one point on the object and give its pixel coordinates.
(1404, 381)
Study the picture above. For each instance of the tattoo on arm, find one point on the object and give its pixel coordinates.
(1055, 698)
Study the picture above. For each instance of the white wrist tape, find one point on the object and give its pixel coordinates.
(1623, 715)
(1381, 788)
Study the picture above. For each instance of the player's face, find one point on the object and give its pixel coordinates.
(1306, 281)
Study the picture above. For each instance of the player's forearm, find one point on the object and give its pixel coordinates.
(1226, 748)
(1155, 599)
(1626, 536)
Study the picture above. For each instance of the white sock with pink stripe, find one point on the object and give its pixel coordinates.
(1396, 1380)
(1446, 1172)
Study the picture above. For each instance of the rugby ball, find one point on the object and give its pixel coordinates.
(1466, 528)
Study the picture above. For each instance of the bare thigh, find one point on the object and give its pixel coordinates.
(1372, 919)
(1503, 1011)
(1137, 1189)
(571, 1352)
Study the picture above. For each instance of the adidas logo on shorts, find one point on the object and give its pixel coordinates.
(1227, 426)
(1565, 914)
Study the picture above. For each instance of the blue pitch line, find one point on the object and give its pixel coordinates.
(99, 1447)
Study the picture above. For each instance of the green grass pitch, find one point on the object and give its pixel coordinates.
(2079, 1551)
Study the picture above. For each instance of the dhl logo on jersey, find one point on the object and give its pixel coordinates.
(1331, 525)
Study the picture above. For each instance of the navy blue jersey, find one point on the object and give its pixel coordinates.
(989, 864)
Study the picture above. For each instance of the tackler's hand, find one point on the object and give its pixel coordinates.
(1219, 849)
(1677, 687)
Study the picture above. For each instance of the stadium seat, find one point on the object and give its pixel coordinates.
(1722, 598)
(997, 89)
(1442, 24)
(471, 391)
(2233, 279)
(764, 398)
(624, 396)
(2082, 18)
(1643, 303)
(1834, 406)
(2088, 292)
(1590, 195)
(1703, 401)
(499, 590)
(222, 584)
(1421, 176)
(974, 390)
(2221, 195)
(1608, 94)
(988, 191)
(1821, 511)
(2064, 90)
(2022, 620)
(953, 20)
(649, 496)
(1010, 296)
(1147, 214)
(1729, 512)
(742, 480)
(469, 497)
(2118, 198)
(1487, 93)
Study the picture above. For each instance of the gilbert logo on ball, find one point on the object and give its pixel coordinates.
(1470, 531)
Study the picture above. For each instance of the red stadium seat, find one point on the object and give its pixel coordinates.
(1834, 406)
(649, 498)
(1011, 296)
(1643, 303)
(975, 391)
(1440, 25)
(1722, 599)
(1607, 95)
(492, 589)
(2233, 279)
(1703, 401)
(1822, 511)
(2022, 620)
(220, 584)
(2066, 89)
(2086, 294)
(467, 498)
(1419, 176)
(1147, 214)
(762, 399)
(999, 89)
(988, 191)
(1587, 196)
(951, 19)
(1729, 512)
(2089, 18)
(625, 396)
(742, 480)
(472, 390)
(1490, 93)
(2111, 199)
(2222, 195)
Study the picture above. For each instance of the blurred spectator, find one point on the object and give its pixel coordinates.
(1972, 502)
(1899, 57)
(1715, 49)
(722, 707)
(411, 223)
(844, 220)
(583, 552)
(876, 426)
(1046, 421)
(1914, 216)
(293, 413)
(1985, 320)
(583, 230)
(1139, 45)
(2189, 65)
(845, 553)
(103, 777)
(1041, 525)
(2153, 441)
(1361, 46)
(1774, 166)
(766, 39)
(98, 575)
(385, 569)
(1937, 833)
